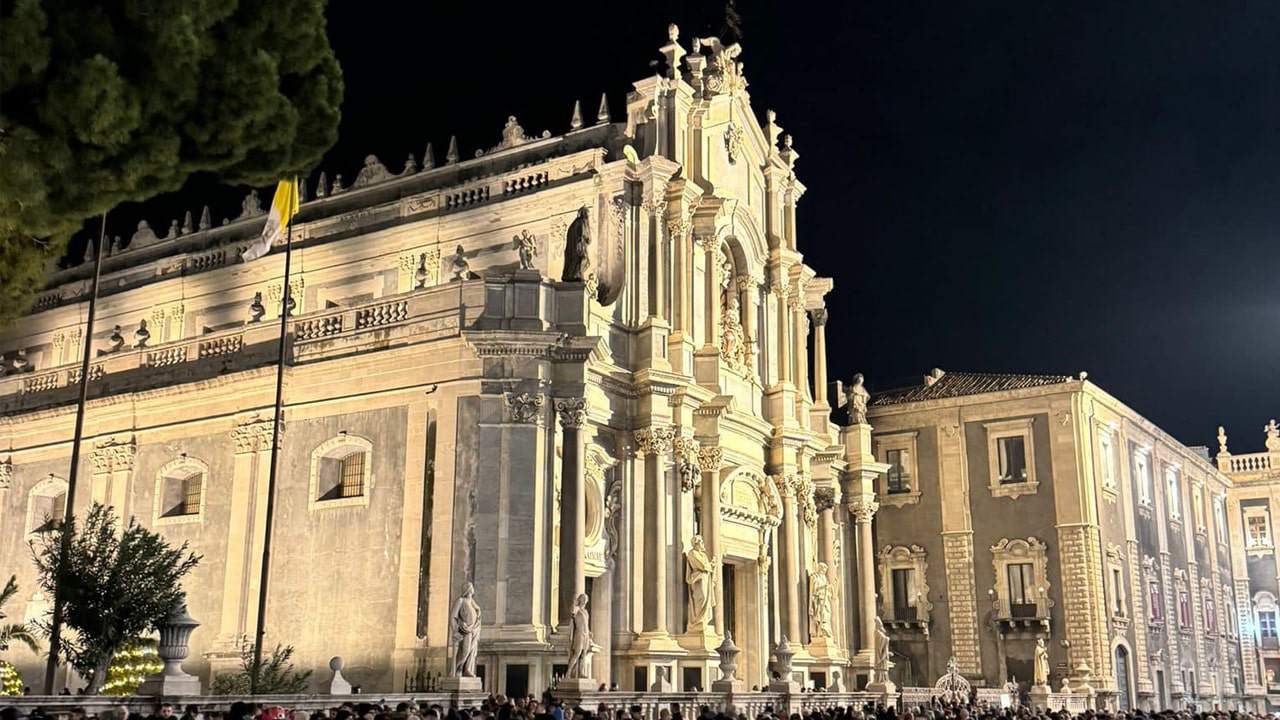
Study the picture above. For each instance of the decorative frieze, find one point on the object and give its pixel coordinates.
(572, 412)
(525, 408)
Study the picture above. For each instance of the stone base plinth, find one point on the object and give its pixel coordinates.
(461, 684)
(882, 688)
(1040, 696)
(170, 685)
(728, 686)
(784, 686)
(577, 685)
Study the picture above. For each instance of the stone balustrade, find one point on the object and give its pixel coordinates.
(1251, 463)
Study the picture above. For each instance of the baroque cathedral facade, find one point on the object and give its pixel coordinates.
(572, 364)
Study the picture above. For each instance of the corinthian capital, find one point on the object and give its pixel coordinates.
(655, 440)
(711, 458)
(863, 509)
(824, 498)
(819, 316)
(572, 412)
(525, 408)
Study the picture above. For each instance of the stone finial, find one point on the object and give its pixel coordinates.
(338, 685)
(576, 121)
(785, 653)
(256, 308)
(429, 158)
(451, 156)
(602, 115)
(117, 340)
(672, 51)
(141, 335)
(206, 221)
(337, 185)
(302, 191)
(461, 268)
(322, 187)
(187, 226)
(88, 250)
(173, 230)
(1222, 441)
(410, 166)
(115, 245)
(372, 172)
(789, 154)
(728, 653)
(771, 128)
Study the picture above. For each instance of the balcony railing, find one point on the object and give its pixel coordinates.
(1251, 463)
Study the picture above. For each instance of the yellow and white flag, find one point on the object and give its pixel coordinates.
(283, 208)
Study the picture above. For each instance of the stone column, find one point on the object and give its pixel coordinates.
(682, 296)
(784, 335)
(709, 461)
(789, 575)
(654, 443)
(863, 510)
(252, 438)
(750, 322)
(655, 207)
(824, 500)
(819, 316)
(799, 342)
(573, 505)
(711, 312)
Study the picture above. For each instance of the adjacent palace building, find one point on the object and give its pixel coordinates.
(595, 363)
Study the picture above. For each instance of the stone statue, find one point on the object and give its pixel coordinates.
(882, 653)
(527, 245)
(698, 577)
(1273, 436)
(1066, 686)
(820, 602)
(856, 398)
(578, 238)
(579, 639)
(465, 621)
(144, 237)
(1040, 669)
(372, 172)
(250, 206)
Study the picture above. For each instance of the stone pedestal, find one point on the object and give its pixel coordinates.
(461, 684)
(169, 685)
(728, 686)
(1040, 697)
(784, 686)
(884, 689)
(662, 684)
(175, 631)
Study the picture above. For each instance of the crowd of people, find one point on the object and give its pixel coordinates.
(549, 708)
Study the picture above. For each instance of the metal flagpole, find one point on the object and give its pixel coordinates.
(55, 625)
(287, 299)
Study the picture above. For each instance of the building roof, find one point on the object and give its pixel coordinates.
(958, 384)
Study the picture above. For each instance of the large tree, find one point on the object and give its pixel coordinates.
(116, 584)
(105, 103)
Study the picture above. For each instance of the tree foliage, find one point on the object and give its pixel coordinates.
(105, 103)
(14, 632)
(115, 586)
(275, 675)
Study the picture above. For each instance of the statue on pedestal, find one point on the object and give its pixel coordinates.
(820, 602)
(465, 620)
(1040, 668)
(856, 398)
(698, 577)
(527, 245)
(579, 639)
(881, 674)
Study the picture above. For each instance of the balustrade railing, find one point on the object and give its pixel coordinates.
(1253, 462)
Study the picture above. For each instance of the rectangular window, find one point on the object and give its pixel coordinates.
(1210, 616)
(1117, 591)
(1219, 520)
(352, 475)
(1173, 493)
(1267, 624)
(1012, 459)
(1022, 592)
(1107, 456)
(1197, 505)
(1258, 532)
(904, 597)
(1184, 609)
(1142, 473)
(192, 489)
(899, 476)
(1154, 601)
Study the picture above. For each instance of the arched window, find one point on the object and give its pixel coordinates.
(180, 491)
(47, 505)
(341, 472)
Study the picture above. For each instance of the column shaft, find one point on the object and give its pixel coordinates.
(866, 574)
(709, 459)
(820, 356)
(791, 571)
(573, 519)
(655, 444)
(711, 326)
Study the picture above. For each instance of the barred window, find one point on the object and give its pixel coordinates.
(192, 492)
(352, 474)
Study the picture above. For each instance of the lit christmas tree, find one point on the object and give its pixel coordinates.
(10, 683)
(131, 666)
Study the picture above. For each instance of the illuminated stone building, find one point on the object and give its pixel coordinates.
(543, 369)
(1251, 504)
(1026, 507)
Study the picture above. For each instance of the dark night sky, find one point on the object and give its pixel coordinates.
(1005, 186)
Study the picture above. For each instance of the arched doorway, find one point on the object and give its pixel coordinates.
(1123, 694)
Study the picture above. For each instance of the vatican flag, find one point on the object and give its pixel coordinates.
(283, 208)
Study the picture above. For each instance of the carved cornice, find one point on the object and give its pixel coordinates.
(572, 412)
(253, 434)
(114, 455)
(711, 458)
(863, 509)
(525, 408)
(654, 440)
